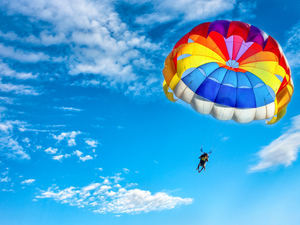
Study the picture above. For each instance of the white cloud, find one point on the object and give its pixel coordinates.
(69, 109)
(100, 43)
(78, 153)
(292, 47)
(7, 190)
(224, 138)
(24, 56)
(92, 143)
(282, 151)
(126, 170)
(131, 185)
(101, 169)
(117, 178)
(102, 198)
(5, 70)
(71, 142)
(7, 100)
(26, 140)
(6, 127)
(12, 149)
(185, 10)
(5, 172)
(67, 155)
(51, 150)
(106, 181)
(29, 181)
(5, 179)
(84, 158)
(86, 83)
(137, 201)
(17, 89)
(58, 157)
(70, 136)
(9, 35)
(245, 10)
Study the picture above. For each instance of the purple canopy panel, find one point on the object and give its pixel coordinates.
(220, 26)
(256, 35)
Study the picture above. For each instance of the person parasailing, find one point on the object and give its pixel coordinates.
(203, 159)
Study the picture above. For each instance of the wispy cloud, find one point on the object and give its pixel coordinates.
(126, 170)
(184, 10)
(103, 198)
(5, 70)
(24, 56)
(7, 100)
(282, 151)
(5, 179)
(6, 126)
(292, 47)
(12, 149)
(100, 43)
(17, 89)
(91, 143)
(69, 109)
(69, 136)
(51, 150)
(77, 152)
(224, 138)
(29, 181)
(246, 10)
(60, 157)
(85, 158)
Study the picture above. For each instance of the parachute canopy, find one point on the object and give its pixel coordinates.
(231, 70)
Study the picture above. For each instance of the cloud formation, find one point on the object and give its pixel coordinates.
(292, 47)
(105, 198)
(282, 151)
(184, 10)
(29, 181)
(99, 42)
(51, 150)
(12, 149)
(69, 136)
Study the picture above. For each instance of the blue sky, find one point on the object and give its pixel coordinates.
(88, 137)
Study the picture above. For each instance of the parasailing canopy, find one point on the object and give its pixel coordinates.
(231, 70)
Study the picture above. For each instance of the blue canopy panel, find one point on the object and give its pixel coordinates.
(243, 81)
(187, 72)
(218, 75)
(254, 80)
(262, 96)
(227, 87)
(208, 68)
(245, 98)
(208, 89)
(226, 96)
(230, 79)
(194, 79)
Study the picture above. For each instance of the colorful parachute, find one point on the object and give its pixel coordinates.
(231, 70)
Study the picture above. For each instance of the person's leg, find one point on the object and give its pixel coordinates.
(200, 170)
